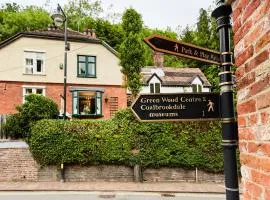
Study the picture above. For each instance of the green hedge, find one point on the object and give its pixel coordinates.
(124, 140)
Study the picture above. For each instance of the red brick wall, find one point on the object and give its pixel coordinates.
(11, 94)
(251, 25)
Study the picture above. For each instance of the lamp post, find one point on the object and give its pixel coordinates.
(59, 18)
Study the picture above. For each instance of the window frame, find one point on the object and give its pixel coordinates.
(86, 66)
(155, 88)
(33, 55)
(197, 88)
(98, 97)
(34, 88)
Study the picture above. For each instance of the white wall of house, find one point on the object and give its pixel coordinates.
(197, 81)
(12, 65)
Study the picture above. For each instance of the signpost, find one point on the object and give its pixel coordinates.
(178, 48)
(204, 106)
(177, 107)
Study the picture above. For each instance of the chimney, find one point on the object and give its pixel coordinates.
(87, 32)
(90, 33)
(94, 33)
(158, 59)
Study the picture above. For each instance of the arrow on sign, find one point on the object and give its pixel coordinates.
(178, 48)
(177, 107)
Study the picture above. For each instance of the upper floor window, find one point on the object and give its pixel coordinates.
(34, 62)
(154, 87)
(86, 66)
(33, 90)
(196, 88)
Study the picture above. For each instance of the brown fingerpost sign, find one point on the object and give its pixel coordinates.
(177, 107)
(178, 48)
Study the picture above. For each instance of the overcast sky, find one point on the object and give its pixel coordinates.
(155, 13)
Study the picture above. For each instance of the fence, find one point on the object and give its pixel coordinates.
(3, 119)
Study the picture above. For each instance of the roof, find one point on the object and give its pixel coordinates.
(174, 76)
(58, 34)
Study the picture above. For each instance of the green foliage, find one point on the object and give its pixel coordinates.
(78, 10)
(132, 22)
(124, 140)
(132, 50)
(110, 33)
(78, 142)
(35, 108)
(13, 19)
(38, 107)
(14, 126)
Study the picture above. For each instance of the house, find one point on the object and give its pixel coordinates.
(159, 79)
(174, 80)
(32, 62)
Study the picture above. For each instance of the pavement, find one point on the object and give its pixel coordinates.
(161, 187)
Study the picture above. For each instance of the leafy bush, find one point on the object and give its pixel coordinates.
(35, 108)
(124, 140)
(14, 126)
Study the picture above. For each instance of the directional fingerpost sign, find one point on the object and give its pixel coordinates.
(178, 48)
(177, 107)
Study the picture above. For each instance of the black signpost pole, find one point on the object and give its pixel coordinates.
(229, 132)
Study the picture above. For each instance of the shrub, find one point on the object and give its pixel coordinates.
(35, 108)
(124, 140)
(14, 126)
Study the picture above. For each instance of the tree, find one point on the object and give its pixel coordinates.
(81, 13)
(13, 19)
(204, 35)
(111, 33)
(132, 50)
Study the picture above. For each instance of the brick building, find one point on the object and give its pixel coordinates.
(32, 62)
(251, 25)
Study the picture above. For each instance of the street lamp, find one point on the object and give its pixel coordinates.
(59, 18)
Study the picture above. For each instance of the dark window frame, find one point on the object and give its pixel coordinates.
(155, 88)
(86, 62)
(98, 99)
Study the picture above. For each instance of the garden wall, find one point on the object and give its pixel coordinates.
(17, 164)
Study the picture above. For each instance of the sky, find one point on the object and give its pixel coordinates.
(155, 13)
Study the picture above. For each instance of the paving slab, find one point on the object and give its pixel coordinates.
(175, 187)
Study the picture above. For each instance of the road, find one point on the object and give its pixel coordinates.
(107, 196)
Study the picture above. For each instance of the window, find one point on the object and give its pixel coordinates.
(34, 62)
(196, 88)
(154, 87)
(86, 66)
(157, 87)
(87, 103)
(33, 90)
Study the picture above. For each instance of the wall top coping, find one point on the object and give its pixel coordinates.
(7, 144)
